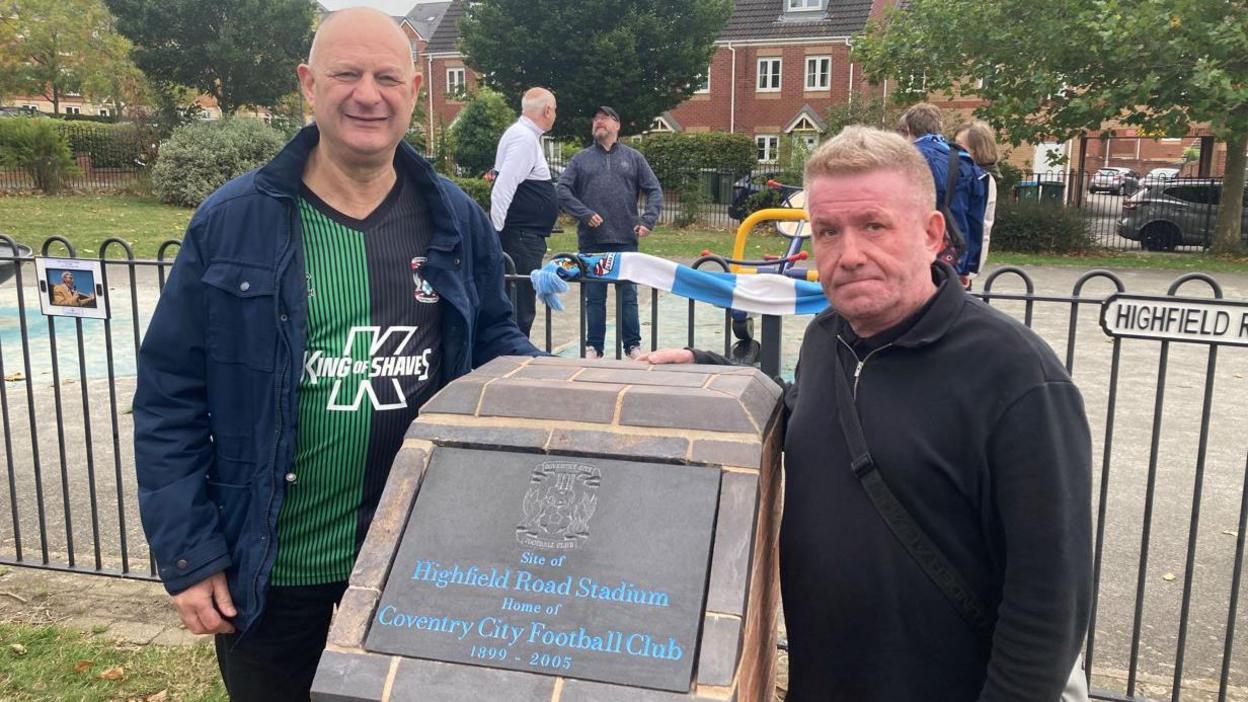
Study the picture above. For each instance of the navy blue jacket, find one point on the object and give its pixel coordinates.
(216, 407)
(969, 199)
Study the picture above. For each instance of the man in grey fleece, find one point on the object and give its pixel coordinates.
(601, 187)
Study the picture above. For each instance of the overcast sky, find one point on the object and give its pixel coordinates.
(395, 8)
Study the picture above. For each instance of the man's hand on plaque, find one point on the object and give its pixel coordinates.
(663, 356)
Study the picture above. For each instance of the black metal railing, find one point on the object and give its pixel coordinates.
(1170, 500)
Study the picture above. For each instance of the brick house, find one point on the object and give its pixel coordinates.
(777, 68)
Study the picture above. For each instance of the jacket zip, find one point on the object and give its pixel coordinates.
(859, 361)
(280, 377)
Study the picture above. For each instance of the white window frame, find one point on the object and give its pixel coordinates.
(817, 74)
(769, 145)
(804, 5)
(455, 88)
(705, 87)
(773, 74)
(103, 112)
(73, 110)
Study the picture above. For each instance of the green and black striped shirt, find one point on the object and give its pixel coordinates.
(371, 361)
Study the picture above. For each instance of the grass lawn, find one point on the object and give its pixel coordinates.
(55, 663)
(87, 220)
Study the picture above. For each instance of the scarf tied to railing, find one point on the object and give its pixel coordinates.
(768, 294)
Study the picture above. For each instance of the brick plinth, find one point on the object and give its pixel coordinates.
(720, 416)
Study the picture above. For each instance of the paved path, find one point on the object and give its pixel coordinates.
(1129, 459)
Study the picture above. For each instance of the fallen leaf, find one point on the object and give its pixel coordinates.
(1228, 532)
(83, 666)
(14, 377)
(1168, 577)
(114, 673)
(157, 696)
(17, 649)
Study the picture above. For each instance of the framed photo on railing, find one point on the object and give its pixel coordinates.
(71, 287)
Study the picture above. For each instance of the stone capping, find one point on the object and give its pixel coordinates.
(722, 416)
(682, 413)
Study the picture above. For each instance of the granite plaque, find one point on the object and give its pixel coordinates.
(578, 567)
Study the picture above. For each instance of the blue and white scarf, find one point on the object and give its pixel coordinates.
(770, 294)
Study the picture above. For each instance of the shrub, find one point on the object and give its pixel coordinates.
(674, 156)
(108, 145)
(692, 198)
(199, 158)
(761, 200)
(475, 134)
(477, 188)
(36, 147)
(1038, 226)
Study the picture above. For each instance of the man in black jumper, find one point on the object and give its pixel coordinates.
(973, 424)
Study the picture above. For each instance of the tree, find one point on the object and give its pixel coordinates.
(475, 134)
(1060, 68)
(639, 56)
(241, 52)
(54, 47)
(872, 111)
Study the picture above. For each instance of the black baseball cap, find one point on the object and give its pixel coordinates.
(608, 111)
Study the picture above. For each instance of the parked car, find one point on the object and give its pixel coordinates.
(1159, 175)
(1182, 212)
(1112, 179)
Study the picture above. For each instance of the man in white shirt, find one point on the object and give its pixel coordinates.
(523, 206)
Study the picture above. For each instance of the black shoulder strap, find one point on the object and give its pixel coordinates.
(929, 557)
(951, 186)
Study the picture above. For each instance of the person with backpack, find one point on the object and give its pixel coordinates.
(961, 193)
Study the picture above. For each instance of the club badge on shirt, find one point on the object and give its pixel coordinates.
(424, 291)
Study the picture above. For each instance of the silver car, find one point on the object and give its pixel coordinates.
(1112, 179)
(1174, 213)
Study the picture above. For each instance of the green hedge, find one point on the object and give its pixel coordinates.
(36, 147)
(675, 157)
(477, 188)
(1040, 226)
(199, 158)
(108, 145)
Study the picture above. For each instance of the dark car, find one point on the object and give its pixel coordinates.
(1112, 179)
(1178, 212)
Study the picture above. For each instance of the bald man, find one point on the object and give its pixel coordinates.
(523, 205)
(315, 305)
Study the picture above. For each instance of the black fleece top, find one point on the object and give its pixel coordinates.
(981, 434)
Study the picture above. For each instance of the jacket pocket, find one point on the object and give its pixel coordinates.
(241, 326)
(233, 503)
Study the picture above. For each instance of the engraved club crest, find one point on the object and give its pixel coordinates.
(424, 291)
(558, 504)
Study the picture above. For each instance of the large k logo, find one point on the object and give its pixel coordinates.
(391, 367)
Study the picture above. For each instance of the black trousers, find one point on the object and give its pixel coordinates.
(527, 248)
(277, 661)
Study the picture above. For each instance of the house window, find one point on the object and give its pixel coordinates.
(703, 83)
(103, 112)
(73, 110)
(807, 139)
(768, 75)
(456, 82)
(804, 5)
(818, 72)
(768, 147)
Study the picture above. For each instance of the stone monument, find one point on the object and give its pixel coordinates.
(566, 530)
